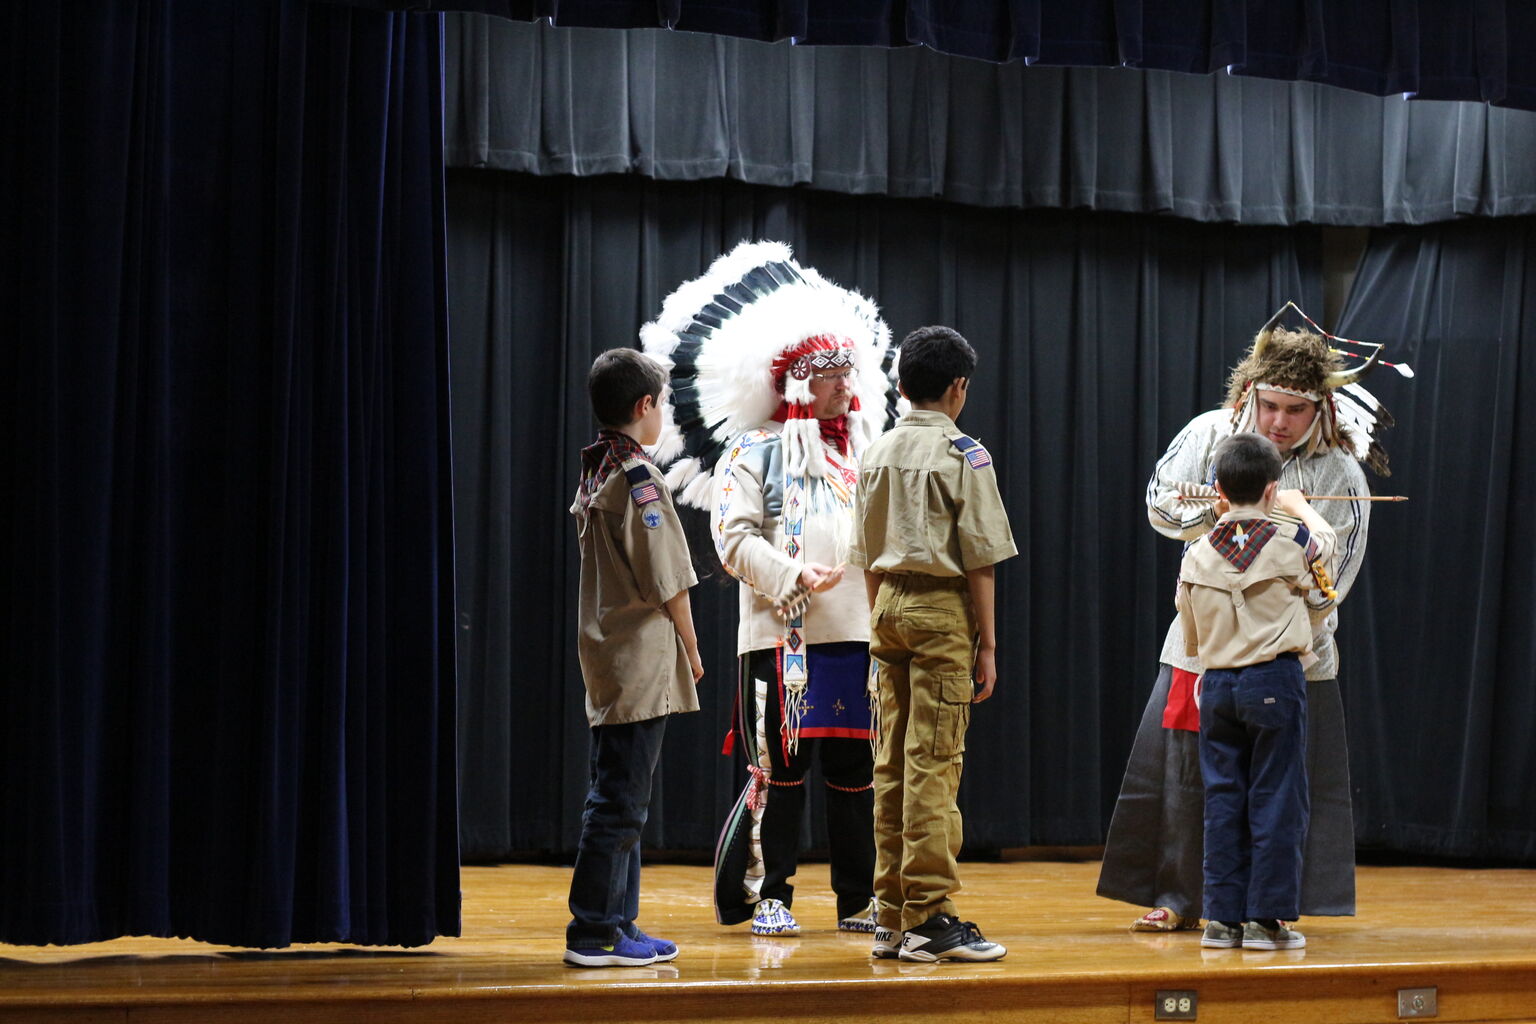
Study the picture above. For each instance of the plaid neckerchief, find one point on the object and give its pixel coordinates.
(1239, 541)
(603, 457)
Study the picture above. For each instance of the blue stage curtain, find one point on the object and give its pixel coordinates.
(1100, 335)
(228, 680)
(1438, 642)
(1437, 49)
(914, 123)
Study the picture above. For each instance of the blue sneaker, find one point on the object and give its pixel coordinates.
(625, 952)
(664, 949)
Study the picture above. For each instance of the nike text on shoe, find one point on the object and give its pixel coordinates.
(887, 944)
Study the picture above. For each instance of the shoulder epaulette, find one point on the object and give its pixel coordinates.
(972, 449)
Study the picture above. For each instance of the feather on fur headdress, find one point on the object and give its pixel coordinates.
(746, 335)
(1310, 364)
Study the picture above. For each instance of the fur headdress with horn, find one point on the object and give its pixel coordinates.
(748, 334)
(1306, 364)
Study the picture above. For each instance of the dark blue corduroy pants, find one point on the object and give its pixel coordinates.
(1253, 759)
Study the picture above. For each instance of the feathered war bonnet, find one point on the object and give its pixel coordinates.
(1307, 364)
(747, 335)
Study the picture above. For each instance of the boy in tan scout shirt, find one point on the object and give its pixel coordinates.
(1242, 605)
(639, 656)
(930, 527)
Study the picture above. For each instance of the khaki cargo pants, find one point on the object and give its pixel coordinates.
(922, 638)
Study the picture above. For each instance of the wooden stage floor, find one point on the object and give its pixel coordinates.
(1471, 935)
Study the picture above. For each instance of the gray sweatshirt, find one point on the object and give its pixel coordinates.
(1332, 471)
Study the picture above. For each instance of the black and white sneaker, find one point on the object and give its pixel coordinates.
(946, 937)
(887, 944)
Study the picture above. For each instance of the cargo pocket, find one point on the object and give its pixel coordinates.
(954, 714)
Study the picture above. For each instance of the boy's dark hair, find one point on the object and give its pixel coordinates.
(931, 358)
(619, 378)
(1245, 464)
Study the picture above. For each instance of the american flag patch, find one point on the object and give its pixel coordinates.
(645, 494)
(974, 453)
(1308, 545)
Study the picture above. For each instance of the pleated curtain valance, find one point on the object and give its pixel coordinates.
(1436, 49)
(914, 123)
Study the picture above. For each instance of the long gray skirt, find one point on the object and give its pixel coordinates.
(1156, 842)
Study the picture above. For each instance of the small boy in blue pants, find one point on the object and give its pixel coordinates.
(1240, 600)
(639, 656)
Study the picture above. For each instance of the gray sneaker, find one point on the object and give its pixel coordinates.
(1256, 936)
(1219, 936)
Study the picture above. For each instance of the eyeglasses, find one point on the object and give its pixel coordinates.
(849, 375)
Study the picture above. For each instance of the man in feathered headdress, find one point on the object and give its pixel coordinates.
(779, 380)
(1293, 389)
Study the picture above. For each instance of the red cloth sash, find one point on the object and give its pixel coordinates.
(1181, 711)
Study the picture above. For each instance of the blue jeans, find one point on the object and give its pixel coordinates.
(1253, 760)
(605, 887)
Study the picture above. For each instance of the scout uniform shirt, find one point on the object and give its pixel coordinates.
(1242, 586)
(1331, 471)
(928, 502)
(634, 558)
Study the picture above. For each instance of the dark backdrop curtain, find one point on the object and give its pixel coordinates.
(1100, 335)
(911, 122)
(1439, 649)
(227, 675)
(1439, 49)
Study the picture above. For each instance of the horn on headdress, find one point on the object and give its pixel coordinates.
(1345, 377)
(1261, 340)
(1347, 404)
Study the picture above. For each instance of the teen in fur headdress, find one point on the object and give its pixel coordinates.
(1292, 388)
(1302, 364)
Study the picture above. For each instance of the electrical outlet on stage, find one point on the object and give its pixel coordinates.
(1175, 1004)
(1417, 1002)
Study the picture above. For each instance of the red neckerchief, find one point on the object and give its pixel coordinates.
(833, 431)
(601, 459)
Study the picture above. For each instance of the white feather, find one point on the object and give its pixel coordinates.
(659, 343)
(680, 474)
(670, 444)
(699, 491)
(734, 366)
(1362, 396)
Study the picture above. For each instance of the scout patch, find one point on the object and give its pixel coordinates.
(1310, 552)
(1308, 545)
(643, 489)
(974, 453)
(644, 493)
